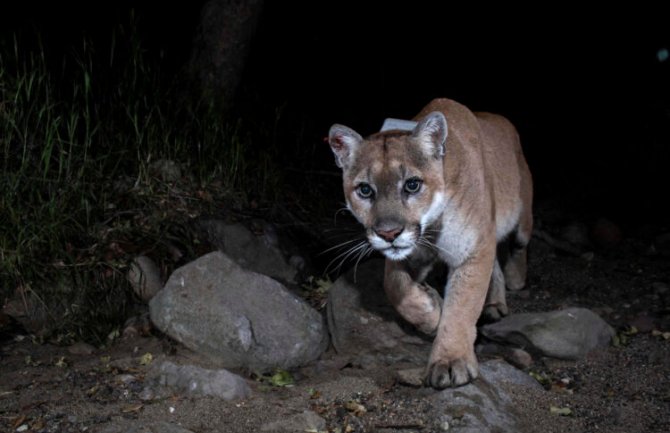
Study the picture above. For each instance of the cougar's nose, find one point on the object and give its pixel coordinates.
(388, 231)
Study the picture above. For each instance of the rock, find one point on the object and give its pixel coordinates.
(499, 373)
(144, 277)
(236, 317)
(605, 233)
(255, 253)
(484, 405)
(515, 356)
(643, 322)
(125, 379)
(139, 325)
(81, 348)
(141, 427)
(411, 376)
(577, 234)
(567, 334)
(361, 320)
(306, 421)
(194, 380)
(166, 170)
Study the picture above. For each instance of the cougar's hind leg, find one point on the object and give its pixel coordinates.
(516, 266)
(496, 305)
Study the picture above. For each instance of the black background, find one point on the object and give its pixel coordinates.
(584, 87)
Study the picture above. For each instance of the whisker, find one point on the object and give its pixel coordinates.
(361, 255)
(345, 255)
(340, 245)
(423, 241)
(352, 252)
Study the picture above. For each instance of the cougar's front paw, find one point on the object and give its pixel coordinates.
(445, 373)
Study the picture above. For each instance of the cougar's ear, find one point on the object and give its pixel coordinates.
(344, 142)
(432, 134)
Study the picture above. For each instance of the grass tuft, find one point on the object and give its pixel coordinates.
(81, 188)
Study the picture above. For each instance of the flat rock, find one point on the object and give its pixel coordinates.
(306, 421)
(260, 254)
(361, 320)
(194, 380)
(565, 334)
(485, 405)
(237, 318)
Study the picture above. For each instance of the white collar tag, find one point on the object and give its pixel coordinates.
(398, 124)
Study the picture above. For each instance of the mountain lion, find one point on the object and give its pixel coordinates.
(449, 193)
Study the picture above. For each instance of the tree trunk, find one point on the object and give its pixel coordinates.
(221, 47)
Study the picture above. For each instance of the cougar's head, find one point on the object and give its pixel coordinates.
(393, 181)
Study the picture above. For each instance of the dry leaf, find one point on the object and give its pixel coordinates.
(132, 408)
(18, 421)
(355, 407)
(561, 411)
(146, 359)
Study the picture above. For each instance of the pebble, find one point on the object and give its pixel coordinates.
(81, 348)
(410, 377)
(643, 323)
(147, 394)
(125, 378)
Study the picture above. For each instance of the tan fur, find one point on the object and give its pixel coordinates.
(486, 192)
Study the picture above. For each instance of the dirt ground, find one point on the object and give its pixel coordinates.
(625, 388)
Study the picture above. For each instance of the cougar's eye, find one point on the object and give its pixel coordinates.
(413, 185)
(365, 190)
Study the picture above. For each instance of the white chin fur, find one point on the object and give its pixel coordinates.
(399, 250)
(397, 254)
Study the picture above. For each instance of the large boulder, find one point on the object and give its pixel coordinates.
(565, 334)
(236, 317)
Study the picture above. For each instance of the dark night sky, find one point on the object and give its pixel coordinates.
(585, 89)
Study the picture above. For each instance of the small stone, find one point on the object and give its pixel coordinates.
(410, 377)
(200, 381)
(519, 358)
(588, 256)
(125, 378)
(643, 323)
(306, 421)
(145, 277)
(577, 234)
(81, 348)
(147, 394)
(166, 170)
